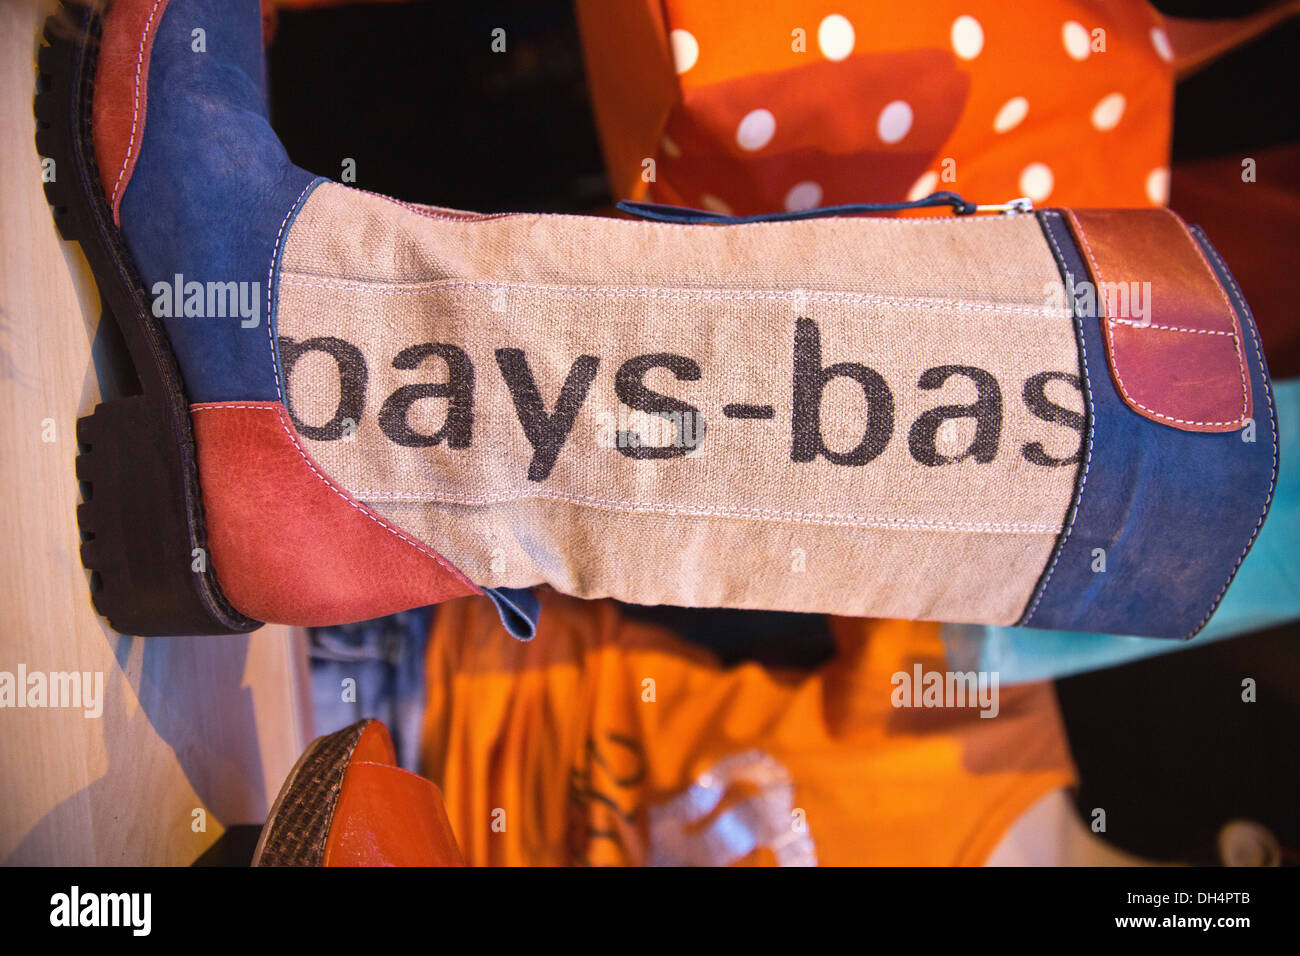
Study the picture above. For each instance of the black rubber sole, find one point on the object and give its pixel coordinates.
(142, 514)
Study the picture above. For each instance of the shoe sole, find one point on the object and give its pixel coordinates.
(298, 826)
(141, 515)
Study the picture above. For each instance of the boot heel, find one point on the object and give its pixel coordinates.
(142, 515)
(147, 560)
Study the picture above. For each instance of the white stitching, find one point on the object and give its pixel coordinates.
(281, 415)
(1232, 314)
(270, 277)
(135, 102)
(1170, 328)
(703, 511)
(696, 295)
(1083, 480)
(1272, 422)
(713, 511)
(1110, 335)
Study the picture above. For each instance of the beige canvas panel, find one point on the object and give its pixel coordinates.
(736, 522)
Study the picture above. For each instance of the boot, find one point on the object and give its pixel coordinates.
(352, 405)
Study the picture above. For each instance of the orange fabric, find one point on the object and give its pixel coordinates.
(290, 546)
(879, 101)
(575, 747)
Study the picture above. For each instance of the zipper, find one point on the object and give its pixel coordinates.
(657, 212)
(1009, 208)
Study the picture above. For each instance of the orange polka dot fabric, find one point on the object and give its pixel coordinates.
(749, 108)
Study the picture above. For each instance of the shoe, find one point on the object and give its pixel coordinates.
(352, 405)
(347, 803)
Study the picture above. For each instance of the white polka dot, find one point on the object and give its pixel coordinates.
(756, 129)
(1158, 185)
(714, 204)
(670, 148)
(1107, 113)
(1036, 181)
(803, 196)
(835, 37)
(967, 37)
(1009, 117)
(895, 121)
(1160, 40)
(1076, 40)
(923, 186)
(686, 49)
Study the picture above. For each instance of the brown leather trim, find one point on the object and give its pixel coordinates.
(1176, 355)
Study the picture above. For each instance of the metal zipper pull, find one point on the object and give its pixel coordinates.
(1010, 208)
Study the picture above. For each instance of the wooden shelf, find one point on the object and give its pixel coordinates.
(188, 724)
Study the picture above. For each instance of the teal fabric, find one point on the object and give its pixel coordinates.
(1266, 593)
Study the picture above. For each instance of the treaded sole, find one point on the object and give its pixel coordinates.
(141, 518)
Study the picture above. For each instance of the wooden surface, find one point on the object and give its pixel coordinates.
(208, 724)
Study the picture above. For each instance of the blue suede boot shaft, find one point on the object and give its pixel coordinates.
(213, 195)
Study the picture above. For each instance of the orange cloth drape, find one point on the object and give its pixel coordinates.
(584, 746)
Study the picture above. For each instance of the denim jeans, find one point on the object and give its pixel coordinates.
(373, 669)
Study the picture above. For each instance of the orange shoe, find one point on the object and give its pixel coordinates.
(347, 803)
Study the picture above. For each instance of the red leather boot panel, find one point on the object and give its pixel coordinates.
(121, 91)
(289, 545)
